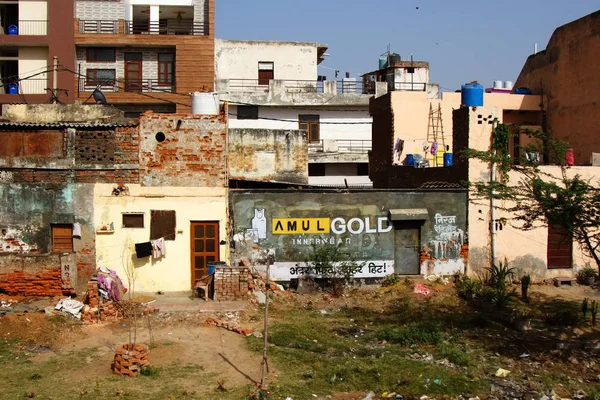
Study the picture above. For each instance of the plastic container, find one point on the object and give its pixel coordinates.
(447, 159)
(13, 88)
(472, 95)
(205, 103)
(212, 266)
(410, 160)
(13, 30)
(383, 62)
(394, 58)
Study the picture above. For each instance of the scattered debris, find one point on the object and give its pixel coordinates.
(370, 396)
(70, 306)
(422, 289)
(502, 373)
(230, 326)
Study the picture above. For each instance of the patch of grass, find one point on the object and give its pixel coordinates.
(150, 371)
(413, 334)
(456, 354)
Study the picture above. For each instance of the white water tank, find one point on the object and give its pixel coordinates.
(206, 103)
(497, 84)
(508, 85)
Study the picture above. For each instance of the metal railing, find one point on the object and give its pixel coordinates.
(246, 86)
(408, 86)
(343, 146)
(109, 85)
(168, 27)
(350, 87)
(303, 86)
(98, 26)
(26, 86)
(30, 28)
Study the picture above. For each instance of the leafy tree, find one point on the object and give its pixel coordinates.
(537, 196)
(334, 264)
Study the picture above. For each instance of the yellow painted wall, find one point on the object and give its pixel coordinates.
(33, 60)
(171, 273)
(30, 11)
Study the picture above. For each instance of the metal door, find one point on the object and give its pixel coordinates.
(407, 246)
(204, 247)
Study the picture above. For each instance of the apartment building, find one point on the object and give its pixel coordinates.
(142, 54)
(32, 33)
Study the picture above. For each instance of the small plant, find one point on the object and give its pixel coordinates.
(594, 310)
(562, 318)
(500, 296)
(413, 334)
(335, 265)
(468, 288)
(587, 275)
(584, 307)
(525, 282)
(389, 280)
(498, 274)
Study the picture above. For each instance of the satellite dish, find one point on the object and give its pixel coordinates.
(99, 96)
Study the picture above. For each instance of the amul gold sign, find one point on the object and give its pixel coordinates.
(298, 226)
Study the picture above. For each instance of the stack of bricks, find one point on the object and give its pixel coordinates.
(42, 283)
(231, 283)
(130, 358)
(98, 309)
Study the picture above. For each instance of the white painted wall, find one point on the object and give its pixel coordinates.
(357, 122)
(31, 61)
(159, 2)
(29, 12)
(239, 59)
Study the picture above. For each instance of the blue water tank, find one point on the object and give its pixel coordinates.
(447, 159)
(13, 88)
(410, 160)
(212, 266)
(13, 30)
(522, 90)
(472, 95)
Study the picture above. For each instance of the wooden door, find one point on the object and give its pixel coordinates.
(133, 72)
(406, 254)
(204, 247)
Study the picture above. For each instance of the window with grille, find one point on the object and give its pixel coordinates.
(62, 238)
(310, 123)
(266, 72)
(101, 77)
(162, 224)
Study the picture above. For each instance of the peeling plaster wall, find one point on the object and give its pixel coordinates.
(363, 218)
(268, 155)
(193, 151)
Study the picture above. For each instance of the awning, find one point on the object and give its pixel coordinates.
(408, 214)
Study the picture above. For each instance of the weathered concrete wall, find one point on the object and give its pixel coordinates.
(357, 221)
(47, 113)
(27, 212)
(567, 74)
(183, 150)
(273, 155)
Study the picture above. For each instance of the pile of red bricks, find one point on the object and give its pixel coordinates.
(231, 283)
(229, 326)
(130, 358)
(42, 283)
(96, 310)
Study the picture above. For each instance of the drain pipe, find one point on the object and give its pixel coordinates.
(492, 199)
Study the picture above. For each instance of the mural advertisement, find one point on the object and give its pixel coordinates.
(284, 227)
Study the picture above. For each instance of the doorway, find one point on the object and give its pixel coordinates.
(204, 247)
(133, 72)
(407, 245)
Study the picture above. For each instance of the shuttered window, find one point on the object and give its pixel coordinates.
(62, 238)
(162, 224)
(134, 220)
(266, 72)
(560, 248)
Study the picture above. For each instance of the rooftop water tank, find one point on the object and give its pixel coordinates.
(472, 95)
(394, 58)
(383, 62)
(497, 84)
(508, 85)
(206, 103)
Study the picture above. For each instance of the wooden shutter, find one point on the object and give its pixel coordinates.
(560, 248)
(162, 224)
(62, 238)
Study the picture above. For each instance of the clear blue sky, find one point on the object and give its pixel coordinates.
(463, 40)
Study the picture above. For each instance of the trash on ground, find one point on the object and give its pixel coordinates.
(70, 306)
(502, 373)
(422, 289)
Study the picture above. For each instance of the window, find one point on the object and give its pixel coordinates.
(247, 112)
(362, 169)
(166, 64)
(95, 54)
(310, 123)
(316, 169)
(133, 220)
(560, 247)
(162, 224)
(62, 238)
(100, 77)
(410, 70)
(266, 72)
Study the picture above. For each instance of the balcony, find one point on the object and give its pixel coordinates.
(24, 87)
(98, 26)
(166, 27)
(141, 86)
(25, 28)
(298, 86)
(340, 146)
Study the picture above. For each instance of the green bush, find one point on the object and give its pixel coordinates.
(468, 288)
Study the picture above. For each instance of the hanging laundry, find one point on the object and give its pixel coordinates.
(159, 248)
(398, 148)
(570, 157)
(434, 148)
(143, 249)
(77, 229)
(110, 283)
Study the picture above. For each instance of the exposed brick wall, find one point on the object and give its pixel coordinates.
(42, 283)
(231, 283)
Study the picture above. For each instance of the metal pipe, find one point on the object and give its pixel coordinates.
(55, 80)
(493, 200)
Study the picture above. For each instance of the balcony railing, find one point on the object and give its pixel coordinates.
(29, 28)
(342, 146)
(296, 86)
(168, 27)
(26, 86)
(350, 87)
(98, 26)
(409, 86)
(302, 86)
(141, 86)
(247, 86)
